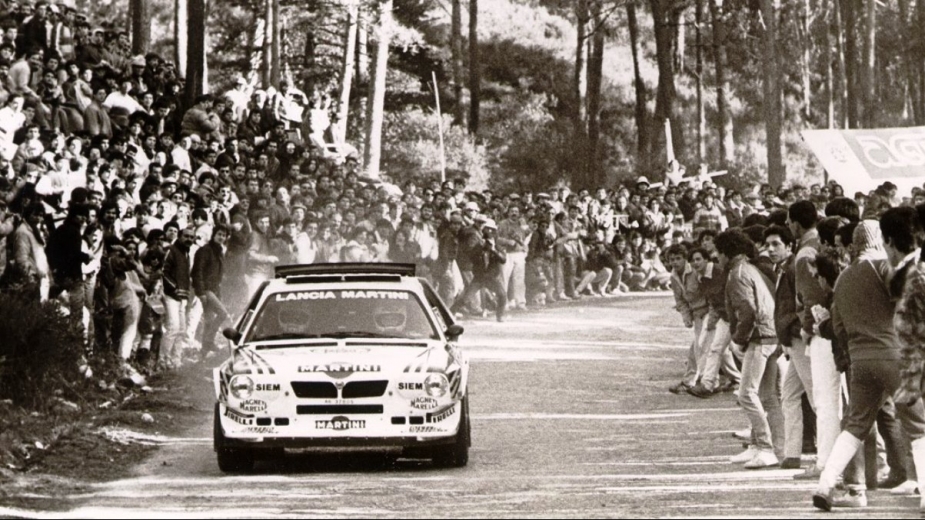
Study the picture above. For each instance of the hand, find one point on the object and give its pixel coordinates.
(688, 324)
(272, 259)
(736, 348)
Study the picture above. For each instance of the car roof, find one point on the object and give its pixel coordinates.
(328, 276)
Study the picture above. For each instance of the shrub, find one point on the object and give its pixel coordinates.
(39, 351)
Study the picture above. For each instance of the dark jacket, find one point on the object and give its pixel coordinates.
(786, 319)
(65, 255)
(177, 280)
(208, 269)
(487, 261)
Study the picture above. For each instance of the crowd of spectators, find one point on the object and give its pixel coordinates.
(152, 222)
(819, 299)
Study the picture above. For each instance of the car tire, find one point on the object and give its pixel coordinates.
(230, 460)
(456, 455)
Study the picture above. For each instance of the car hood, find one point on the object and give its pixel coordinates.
(343, 359)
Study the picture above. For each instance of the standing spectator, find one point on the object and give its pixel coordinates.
(716, 334)
(260, 258)
(487, 262)
(207, 277)
(779, 242)
(750, 307)
(127, 296)
(825, 380)
(541, 264)
(513, 234)
(201, 120)
(66, 257)
(874, 348)
(177, 285)
(692, 305)
(28, 251)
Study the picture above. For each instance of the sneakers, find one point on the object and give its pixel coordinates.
(728, 386)
(852, 499)
(679, 388)
(790, 463)
(812, 473)
(907, 489)
(745, 435)
(700, 391)
(764, 459)
(745, 456)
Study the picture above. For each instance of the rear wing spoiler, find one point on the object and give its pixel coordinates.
(337, 269)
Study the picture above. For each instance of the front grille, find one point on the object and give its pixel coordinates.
(357, 389)
(314, 390)
(338, 409)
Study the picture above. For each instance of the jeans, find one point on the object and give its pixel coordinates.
(758, 395)
(492, 284)
(569, 271)
(175, 336)
(212, 319)
(872, 383)
(826, 394)
(798, 380)
(716, 355)
(514, 270)
(599, 278)
(193, 318)
(130, 316)
(694, 354)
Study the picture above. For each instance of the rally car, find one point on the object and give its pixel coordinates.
(343, 355)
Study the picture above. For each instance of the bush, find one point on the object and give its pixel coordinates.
(39, 351)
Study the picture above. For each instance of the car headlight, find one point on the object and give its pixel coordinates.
(436, 385)
(242, 387)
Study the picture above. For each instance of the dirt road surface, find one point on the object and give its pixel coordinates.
(570, 418)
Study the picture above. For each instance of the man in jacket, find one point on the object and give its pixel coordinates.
(825, 380)
(66, 257)
(513, 234)
(716, 334)
(208, 271)
(750, 307)
(691, 304)
(177, 284)
(487, 264)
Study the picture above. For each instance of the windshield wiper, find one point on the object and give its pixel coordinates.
(360, 334)
(282, 335)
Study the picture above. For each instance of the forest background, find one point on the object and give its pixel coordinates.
(539, 93)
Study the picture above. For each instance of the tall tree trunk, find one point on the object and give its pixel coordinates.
(698, 73)
(346, 81)
(850, 10)
(475, 73)
(829, 73)
(580, 76)
(362, 59)
(841, 60)
(266, 67)
(678, 36)
(642, 123)
(772, 94)
(456, 46)
(595, 84)
(372, 153)
(806, 61)
(580, 92)
(180, 35)
(141, 26)
(665, 98)
(918, 50)
(196, 50)
(276, 52)
(908, 61)
(869, 66)
(723, 116)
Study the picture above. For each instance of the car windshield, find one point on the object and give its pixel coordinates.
(342, 314)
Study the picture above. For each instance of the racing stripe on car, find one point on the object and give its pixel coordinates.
(416, 363)
(454, 383)
(263, 363)
(255, 367)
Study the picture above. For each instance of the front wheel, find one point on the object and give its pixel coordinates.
(456, 455)
(230, 460)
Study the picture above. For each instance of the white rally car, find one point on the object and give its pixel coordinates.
(343, 355)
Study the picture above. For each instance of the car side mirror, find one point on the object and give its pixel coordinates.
(232, 334)
(454, 331)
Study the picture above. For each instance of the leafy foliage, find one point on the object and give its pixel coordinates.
(39, 353)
